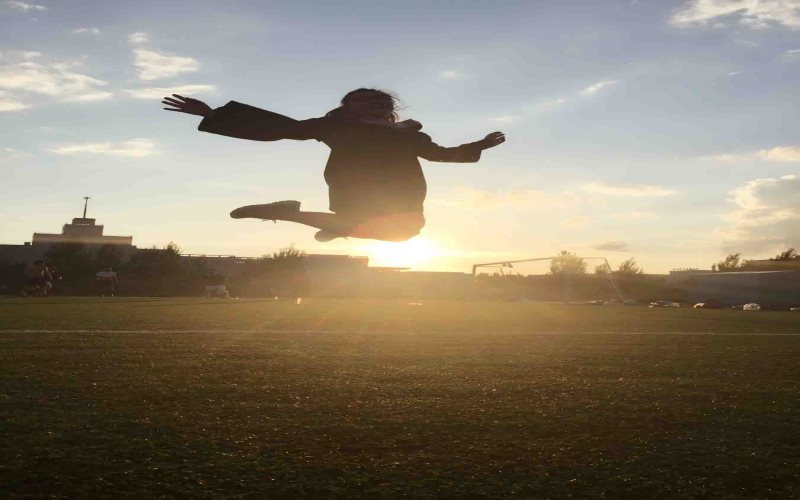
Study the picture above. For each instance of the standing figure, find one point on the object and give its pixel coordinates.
(375, 182)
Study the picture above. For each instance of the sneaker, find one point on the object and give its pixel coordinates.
(267, 211)
(324, 235)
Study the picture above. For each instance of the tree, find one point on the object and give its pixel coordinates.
(789, 254)
(629, 268)
(601, 270)
(567, 263)
(70, 260)
(108, 256)
(288, 255)
(731, 263)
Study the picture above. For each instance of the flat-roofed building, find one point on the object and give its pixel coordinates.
(768, 288)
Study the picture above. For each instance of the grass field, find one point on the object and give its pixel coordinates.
(382, 399)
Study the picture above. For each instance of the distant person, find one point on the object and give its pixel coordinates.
(106, 282)
(215, 287)
(38, 279)
(375, 183)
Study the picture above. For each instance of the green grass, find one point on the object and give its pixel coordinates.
(380, 399)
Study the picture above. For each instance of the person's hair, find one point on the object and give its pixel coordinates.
(37, 262)
(341, 113)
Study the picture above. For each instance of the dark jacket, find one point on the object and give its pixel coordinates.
(372, 169)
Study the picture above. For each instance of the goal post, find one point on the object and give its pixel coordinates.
(505, 268)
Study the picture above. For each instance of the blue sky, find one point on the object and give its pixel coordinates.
(664, 131)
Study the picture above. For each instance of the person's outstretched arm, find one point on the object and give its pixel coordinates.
(243, 121)
(466, 153)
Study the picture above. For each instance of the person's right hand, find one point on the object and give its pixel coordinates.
(187, 105)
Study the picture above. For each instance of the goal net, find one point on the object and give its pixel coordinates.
(566, 277)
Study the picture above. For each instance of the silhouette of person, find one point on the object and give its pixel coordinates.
(375, 182)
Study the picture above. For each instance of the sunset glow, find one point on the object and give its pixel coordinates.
(413, 253)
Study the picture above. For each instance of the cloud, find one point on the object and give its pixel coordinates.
(781, 154)
(734, 73)
(451, 75)
(134, 148)
(89, 96)
(481, 199)
(785, 154)
(505, 119)
(26, 7)
(596, 87)
(756, 14)
(613, 246)
(24, 76)
(628, 190)
(766, 216)
(728, 157)
(159, 92)
(87, 31)
(154, 65)
(10, 104)
(138, 38)
(791, 55)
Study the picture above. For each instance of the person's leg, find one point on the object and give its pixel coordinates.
(289, 210)
(333, 223)
(388, 227)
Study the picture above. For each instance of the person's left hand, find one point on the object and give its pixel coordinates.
(494, 139)
(187, 105)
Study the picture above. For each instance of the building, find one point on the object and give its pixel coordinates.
(82, 230)
(681, 276)
(768, 288)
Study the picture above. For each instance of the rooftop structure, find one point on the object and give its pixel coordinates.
(82, 230)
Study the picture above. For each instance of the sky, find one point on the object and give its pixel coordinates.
(666, 131)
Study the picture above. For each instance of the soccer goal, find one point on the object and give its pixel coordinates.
(561, 277)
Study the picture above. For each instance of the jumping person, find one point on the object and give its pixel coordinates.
(375, 183)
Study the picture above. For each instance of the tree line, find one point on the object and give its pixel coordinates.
(734, 261)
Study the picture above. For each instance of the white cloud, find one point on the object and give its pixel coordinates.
(785, 154)
(766, 217)
(734, 73)
(628, 190)
(87, 31)
(10, 104)
(481, 199)
(26, 7)
(134, 148)
(757, 14)
(159, 92)
(89, 96)
(746, 43)
(153, 65)
(138, 38)
(24, 76)
(545, 106)
(728, 157)
(7, 56)
(781, 154)
(505, 119)
(791, 55)
(596, 87)
(451, 75)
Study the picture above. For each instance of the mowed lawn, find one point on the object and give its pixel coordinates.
(385, 399)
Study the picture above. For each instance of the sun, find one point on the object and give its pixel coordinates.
(412, 253)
